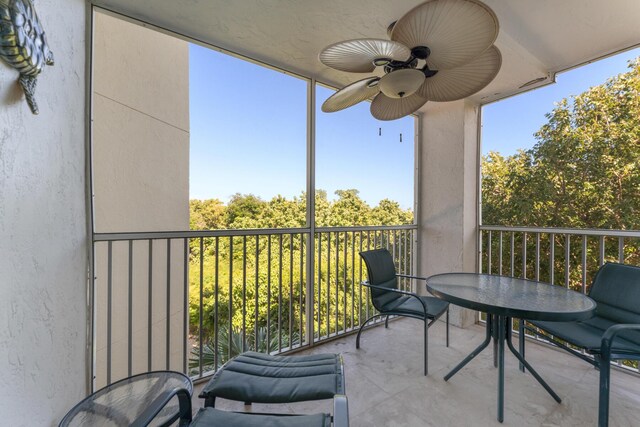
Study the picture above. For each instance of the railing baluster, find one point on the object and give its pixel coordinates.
(230, 319)
(367, 291)
(201, 308)
(280, 293)
(319, 284)
(489, 260)
(601, 251)
(500, 253)
(168, 313)
(216, 301)
(353, 276)
(552, 256)
(344, 285)
(621, 250)
(185, 305)
(567, 255)
(290, 315)
(244, 293)
(359, 284)
(256, 326)
(301, 292)
(584, 264)
(328, 284)
(413, 256)
(130, 312)
(109, 307)
(537, 273)
(337, 283)
(398, 258)
(513, 253)
(524, 255)
(150, 307)
(268, 344)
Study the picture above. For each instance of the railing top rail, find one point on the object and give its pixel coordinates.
(571, 231)
(189, 234)
(366, 228)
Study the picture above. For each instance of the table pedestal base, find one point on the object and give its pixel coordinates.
(499, 328)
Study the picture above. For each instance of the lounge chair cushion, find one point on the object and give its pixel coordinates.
(211, 417)
(262, 378)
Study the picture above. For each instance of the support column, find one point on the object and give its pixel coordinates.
(448, 200)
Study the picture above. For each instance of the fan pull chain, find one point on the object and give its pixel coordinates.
(379, 131)
(400, 137)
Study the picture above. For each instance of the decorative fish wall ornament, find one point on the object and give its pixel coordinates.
(23, 44)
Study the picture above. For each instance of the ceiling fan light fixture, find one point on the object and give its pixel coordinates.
(380, 62)
(401, 83)
(373, 82)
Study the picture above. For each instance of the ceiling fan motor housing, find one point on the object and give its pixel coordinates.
(420, 52)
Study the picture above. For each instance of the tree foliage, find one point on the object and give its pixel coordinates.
(584, 170)
(254, 287)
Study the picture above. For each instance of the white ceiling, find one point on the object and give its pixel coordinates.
(537, 37)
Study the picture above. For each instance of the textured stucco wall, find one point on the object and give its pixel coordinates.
(43, 239)
(449, 193)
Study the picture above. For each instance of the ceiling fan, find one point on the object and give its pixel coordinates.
(441, 50)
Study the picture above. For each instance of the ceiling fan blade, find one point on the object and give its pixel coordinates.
(357, 56)
(463, 81)
(351, 95)
(455, 31)
(385, 108)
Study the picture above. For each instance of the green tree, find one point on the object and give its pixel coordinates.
(244, 210)
(206, 214)
(584, 170)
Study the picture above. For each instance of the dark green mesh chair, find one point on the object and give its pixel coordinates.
(388, 300)
(612, 334)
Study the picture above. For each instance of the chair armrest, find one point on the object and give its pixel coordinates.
(408, 276)
(610, 334)
(340, 411)
(184, 413)
(397, 291)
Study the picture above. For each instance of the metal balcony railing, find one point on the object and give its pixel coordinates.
(560, 256)
(191, 300)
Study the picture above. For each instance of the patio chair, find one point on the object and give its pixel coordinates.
(388, 300)
(612, 334)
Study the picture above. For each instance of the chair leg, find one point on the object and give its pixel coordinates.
(603, 406)
(447, 326)
(362, 327)
(521, 338)
(426, 347)
(386, 322)
(210, 402)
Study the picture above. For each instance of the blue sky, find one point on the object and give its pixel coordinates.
(248, 135)
(509, 125)
(248, 131)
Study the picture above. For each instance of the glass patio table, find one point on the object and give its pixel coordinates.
(504, 298)
(134, 401)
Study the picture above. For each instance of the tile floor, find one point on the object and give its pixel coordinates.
(386, 387)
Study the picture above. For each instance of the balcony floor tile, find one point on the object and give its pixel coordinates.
(386, 386)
